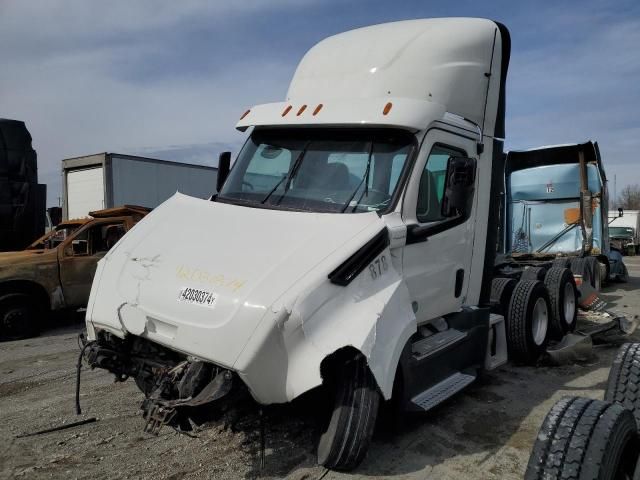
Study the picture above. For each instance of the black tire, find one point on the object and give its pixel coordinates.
(344, 443)
(563, 319)
(589, 268)
(19, 316)
(534, 273)
(623, 386)
(522, 344)
(561, 262)
(584, 439)
(501, 291)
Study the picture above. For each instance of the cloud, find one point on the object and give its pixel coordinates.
(169, 79)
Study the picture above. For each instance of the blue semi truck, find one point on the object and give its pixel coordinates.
(556, 208)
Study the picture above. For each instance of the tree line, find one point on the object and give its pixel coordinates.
(629, 198)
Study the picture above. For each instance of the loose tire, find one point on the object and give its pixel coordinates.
(501, 291)
(534, 273)
(561, 287)
(528, 321)
(623, 386)
(18, 316)
(584, 439)
(345, 442)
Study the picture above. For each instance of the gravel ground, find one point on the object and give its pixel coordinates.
(485, 432)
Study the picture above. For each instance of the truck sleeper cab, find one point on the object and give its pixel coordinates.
(352, 245)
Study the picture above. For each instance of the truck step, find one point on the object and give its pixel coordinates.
(435, 343)
(441, 391)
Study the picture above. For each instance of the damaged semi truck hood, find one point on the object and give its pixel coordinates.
(200, 276)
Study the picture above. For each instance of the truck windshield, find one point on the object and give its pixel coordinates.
(322, 171)
(620, 231)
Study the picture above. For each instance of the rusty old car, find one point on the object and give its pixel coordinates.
(55, 272)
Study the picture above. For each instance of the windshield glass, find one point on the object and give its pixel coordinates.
(323, 171)
(620, 231)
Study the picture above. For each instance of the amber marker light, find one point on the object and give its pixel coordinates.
(387, 108)
(317, 109)
(245, 114)
(286, 110)
(302, 109)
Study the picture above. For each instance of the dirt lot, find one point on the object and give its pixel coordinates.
(485, 432)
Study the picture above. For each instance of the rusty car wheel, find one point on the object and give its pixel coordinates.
(18, 316)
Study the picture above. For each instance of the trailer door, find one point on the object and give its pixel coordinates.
(85, 191)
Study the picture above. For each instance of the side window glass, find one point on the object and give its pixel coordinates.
(432, 184)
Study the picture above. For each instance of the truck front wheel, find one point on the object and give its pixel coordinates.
(345, 442)
(18, 316)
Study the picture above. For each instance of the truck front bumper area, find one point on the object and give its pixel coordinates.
(173, 384)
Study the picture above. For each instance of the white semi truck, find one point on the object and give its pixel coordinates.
(352, 246)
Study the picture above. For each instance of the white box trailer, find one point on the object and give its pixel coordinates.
(106, 180)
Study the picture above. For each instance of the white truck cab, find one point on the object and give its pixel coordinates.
(352, 244)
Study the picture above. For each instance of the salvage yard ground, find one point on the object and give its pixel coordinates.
(485, 432)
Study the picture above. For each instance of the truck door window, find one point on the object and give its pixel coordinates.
(104, 237)
(432, 184)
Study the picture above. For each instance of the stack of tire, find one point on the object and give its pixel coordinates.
(22, 199)
(538, 308)
(586, 439)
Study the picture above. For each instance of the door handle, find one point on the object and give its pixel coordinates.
(459, 282)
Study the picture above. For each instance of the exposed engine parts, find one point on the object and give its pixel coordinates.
(173, 384)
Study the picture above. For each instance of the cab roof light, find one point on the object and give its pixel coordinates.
(245, 114)
(317, 109)
(286, 110)
(387, 108)
(302, 109)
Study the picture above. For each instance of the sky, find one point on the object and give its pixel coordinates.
(169, 79)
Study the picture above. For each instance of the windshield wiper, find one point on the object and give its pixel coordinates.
(288, 176)
(284, 177)
(365, 179)
(294, 170)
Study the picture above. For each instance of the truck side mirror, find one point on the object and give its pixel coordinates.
(224, 165)
(459, 186)
(620, 212)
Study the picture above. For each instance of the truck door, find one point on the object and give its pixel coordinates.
(437, 262)
(80, 254)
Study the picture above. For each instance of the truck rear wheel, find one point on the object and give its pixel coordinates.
(345, 442)
(561, 262)
(563, 297)
(623, 386)
(534, 273)
(528, 321)
(501, 291)
(589, 268)
(585, 439)
(18, 316)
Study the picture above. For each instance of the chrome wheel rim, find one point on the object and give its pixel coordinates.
(569, 303)
(540, 321)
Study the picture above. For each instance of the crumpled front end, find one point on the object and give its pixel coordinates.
(246, 291)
